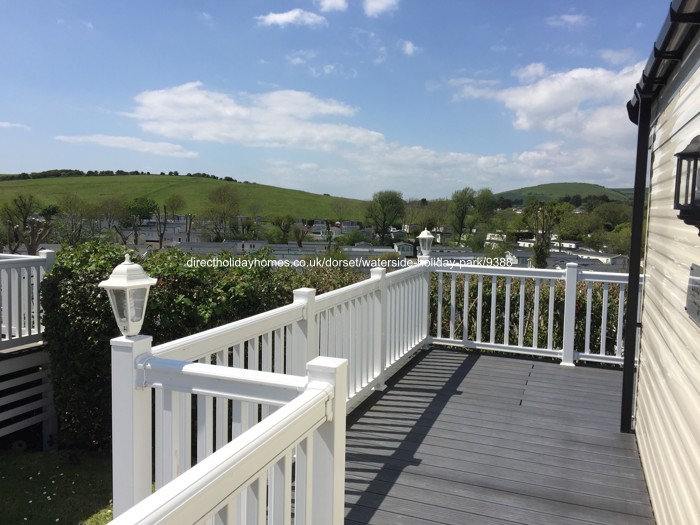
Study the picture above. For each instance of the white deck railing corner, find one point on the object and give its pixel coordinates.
(268, 392)
(252, 475)
(20, 309)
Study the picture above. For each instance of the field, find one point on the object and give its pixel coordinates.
(255, 199)
(558, 190)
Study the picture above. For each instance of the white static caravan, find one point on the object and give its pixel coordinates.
(666, 109)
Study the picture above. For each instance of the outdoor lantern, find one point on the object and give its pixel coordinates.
(128, 288)
(426, 242)
(687, 195)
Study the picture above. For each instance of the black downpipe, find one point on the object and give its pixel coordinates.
(640, 179)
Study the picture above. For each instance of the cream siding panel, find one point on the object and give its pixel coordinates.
(668, 394)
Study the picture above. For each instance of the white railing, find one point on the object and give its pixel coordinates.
(374, 325)
(290, 465)
(20, 311)
(548, 313)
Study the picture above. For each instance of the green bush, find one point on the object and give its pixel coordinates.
(187, 299)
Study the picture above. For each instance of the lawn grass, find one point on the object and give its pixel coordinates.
(255, 199)
(55, 487)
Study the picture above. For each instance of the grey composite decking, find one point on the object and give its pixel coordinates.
(468, 438)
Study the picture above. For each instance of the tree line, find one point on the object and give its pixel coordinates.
(48, 174)
(469, 215)
(593, 221)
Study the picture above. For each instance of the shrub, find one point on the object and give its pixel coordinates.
(79, 323)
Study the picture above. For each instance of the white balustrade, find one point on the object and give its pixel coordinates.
(20, 311)
(291, 463)
(235, 411)
(532, 311)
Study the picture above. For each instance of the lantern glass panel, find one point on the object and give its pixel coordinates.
(118, 300)
(137, 300)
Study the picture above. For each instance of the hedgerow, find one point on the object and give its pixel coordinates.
(187, 299)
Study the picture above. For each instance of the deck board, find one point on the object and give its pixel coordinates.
(465, 437)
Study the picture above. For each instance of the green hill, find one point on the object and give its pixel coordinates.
(556, 191)
(255, 199)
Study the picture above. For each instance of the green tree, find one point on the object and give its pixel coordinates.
(284, 223)
(485, 203)
(542, 218)
(220, 217)
(461, 205)
(24, 224)
(73, 215)
(175, 204)
(618, 240)
(613, 213)
(384, 210)
(300, 233)
(352, 237)
(143, 208)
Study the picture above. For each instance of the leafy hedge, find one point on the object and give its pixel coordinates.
(187, 299)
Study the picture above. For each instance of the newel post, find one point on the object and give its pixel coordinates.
(50, 258)
(328, 498)
(567, 358)
(131, 424)
(380, 328)
(305, 339)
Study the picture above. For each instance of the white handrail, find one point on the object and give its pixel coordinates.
(374, 326)
(234, 482)
(20, 309)
(521, 316)
(209, 341)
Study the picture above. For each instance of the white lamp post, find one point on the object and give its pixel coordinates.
(128, 288)
(426, 242)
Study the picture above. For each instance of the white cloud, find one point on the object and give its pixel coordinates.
(332, 5)
(570, 20)
(297, 17)
(618, 57)
(591, 140)
(558, 102)
(583, 110)
(374, 8)
(14, 125)
(165, 149)
(408, 48)
(466, 87)
(206, 18)
(301, 57)
(531, 72)
(282, 118)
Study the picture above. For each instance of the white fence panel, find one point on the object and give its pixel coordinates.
(289, 465)
(564, 314)
(20, 309)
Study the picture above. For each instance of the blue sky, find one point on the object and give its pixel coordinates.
(345, 97)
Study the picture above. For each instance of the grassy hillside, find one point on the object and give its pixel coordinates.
(558, 190)
(254, 198)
